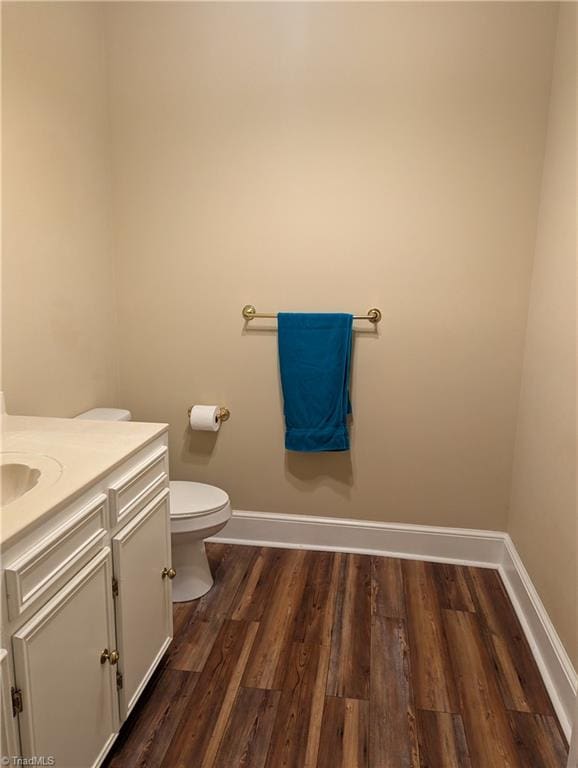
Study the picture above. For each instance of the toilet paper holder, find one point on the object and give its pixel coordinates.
(223, 415)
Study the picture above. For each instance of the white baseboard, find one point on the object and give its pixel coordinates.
(463, 546)
(553, 661)
(414, 542)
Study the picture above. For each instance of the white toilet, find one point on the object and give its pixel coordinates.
(198, 511)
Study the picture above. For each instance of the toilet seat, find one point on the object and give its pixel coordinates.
(189, 499)
(197, 506)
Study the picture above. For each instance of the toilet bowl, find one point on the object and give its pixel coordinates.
(198, 511)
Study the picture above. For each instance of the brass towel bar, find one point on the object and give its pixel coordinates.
(250, 313)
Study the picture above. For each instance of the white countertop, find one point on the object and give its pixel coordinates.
(86, 450)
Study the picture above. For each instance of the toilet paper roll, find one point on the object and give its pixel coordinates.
(205, 418)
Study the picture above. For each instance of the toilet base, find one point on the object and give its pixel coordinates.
(194, 577)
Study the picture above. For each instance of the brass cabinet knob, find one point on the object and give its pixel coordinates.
(111, 656)
(170, 572)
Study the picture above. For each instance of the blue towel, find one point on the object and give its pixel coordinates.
(314, 358)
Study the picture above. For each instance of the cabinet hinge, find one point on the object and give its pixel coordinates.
(118, 680)
(17, 705)
(114, 586)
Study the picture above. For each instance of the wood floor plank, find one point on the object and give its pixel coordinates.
(392, 720)
(452, 586)
(442, 741)
(520, 682)
(539, 741)
(145, 737)
(194, 647)
(314, 618)
(215, 553)
(255, 588)
(486, 725)
(235, 562)
(432, 675)
(246, 740)
(351, 636)
(344, 739)
(297, 729)
(276, 627)
(387, 597)
(193, 636)
(202, 727)
(182, 614)
(183, 617)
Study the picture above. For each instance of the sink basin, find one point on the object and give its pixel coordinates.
(16, 480)
(21, 473)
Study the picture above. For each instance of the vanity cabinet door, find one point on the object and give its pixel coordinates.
(69, 694)
(9, 746)
(143, 605)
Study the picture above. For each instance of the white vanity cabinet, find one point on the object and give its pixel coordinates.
(87, 614)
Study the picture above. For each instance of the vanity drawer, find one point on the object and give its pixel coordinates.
(139, 486)
(54, 558)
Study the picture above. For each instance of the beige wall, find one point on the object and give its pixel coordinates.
(58, 286)
(332, 157)
(542, 518)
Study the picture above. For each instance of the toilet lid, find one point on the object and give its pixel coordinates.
(189, 499)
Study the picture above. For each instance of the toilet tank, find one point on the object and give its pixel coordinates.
(105, 414)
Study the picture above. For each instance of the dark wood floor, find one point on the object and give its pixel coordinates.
(302, 659)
